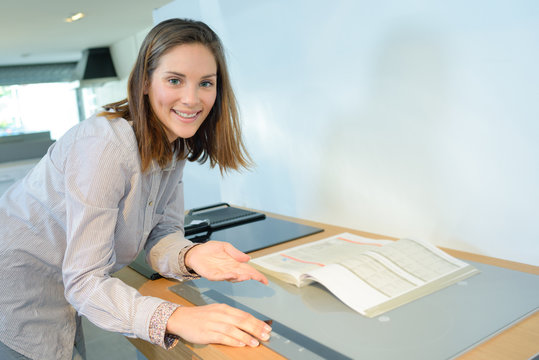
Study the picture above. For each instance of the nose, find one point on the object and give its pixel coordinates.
(190, 96)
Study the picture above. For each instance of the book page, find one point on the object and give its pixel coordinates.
(395, 274)
(370, 276)
(301, 259)
(401, 267)
(349, 288)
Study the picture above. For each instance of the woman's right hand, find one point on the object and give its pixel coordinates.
(219, 324)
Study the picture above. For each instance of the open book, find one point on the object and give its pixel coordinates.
(371, 276)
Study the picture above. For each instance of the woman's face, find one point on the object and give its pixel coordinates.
(183, 89)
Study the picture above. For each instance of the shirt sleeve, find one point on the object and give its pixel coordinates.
(187, 273)
(159, 320)
(166, 240)
(96, 174)
(158, 326)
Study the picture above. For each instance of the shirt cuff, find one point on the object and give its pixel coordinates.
(188, 274)
(158, 326)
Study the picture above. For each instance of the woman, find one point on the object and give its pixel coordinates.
(111, 186)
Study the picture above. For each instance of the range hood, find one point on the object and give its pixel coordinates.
(95, 66)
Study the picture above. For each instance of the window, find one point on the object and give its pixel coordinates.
(38, 107)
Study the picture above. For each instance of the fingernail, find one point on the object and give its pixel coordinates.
(267, 328)
(254, 342)
(241, 344)
(265, 336)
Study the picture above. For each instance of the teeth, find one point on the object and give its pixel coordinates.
(185, 115)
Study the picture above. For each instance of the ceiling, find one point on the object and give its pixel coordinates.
(35, 31)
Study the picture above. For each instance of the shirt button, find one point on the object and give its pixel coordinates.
(150, 203)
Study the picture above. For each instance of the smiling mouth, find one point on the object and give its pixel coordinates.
(187, 116)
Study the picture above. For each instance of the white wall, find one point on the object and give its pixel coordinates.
(406, 118)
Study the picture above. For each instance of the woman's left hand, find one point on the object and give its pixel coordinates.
(217, 260)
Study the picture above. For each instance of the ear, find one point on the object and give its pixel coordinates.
(146, 88)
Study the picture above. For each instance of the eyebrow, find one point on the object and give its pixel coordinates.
(183, 75)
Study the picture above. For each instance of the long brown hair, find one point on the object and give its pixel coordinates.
(218, 138)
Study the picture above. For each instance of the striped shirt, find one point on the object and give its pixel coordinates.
(82, 213)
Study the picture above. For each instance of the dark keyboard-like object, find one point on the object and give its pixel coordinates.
(218, 216)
